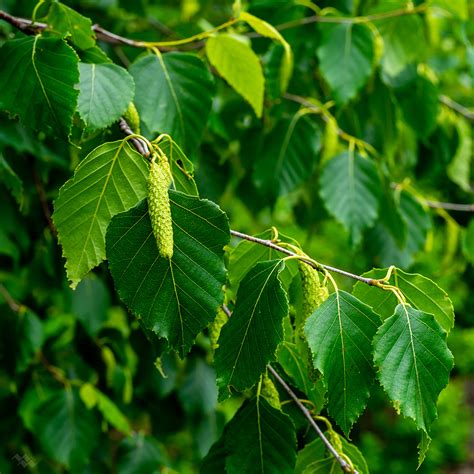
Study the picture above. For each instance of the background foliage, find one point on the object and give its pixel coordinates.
(342, 127)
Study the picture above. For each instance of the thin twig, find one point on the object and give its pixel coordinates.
(14, 306)
(348, 20)
(344, 465)
(272, 245)
(304, 410)
(460, 109)
(450, 206)
(44, 202)
(140, 145)
(326, 116)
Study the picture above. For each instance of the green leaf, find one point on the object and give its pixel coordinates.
(175, 298)
(110, 180)
(382, 242)
(419, 291)
(92, 397)
(297, 367)
(139, 454)
(403, 41)
(236, 62)
(173, 95)
(315, 459)
(260, 439)
(105, 92)
(269, 31)
(350, 188)
(419, 103)
(181, 167)
(198, 393)
(414, 363)
(214, 462)
(459, 170)
(468, 242)
(339, 334)
(290, 156)
(47, 99)
(11, 180)
(90, 303)
(68, 22)
(346, 54)
(247, 254)
(29, 337)
(249, 340)
(66, 429)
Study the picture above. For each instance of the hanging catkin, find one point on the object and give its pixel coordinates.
(159, 209)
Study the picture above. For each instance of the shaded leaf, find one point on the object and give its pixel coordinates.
(414, 363)
(236, 62)
(139, 454)
(110, 180)
(66, 429)
(419, 103)
(459, 170)
(315, 459)
(339, 334)
(289, 157)
(249, 340)
(175, 298)
(11, 180)
(37, 83)
(173, 95)
(419, 291)
(260, 439)
(29, 337)
(105, 92)
(345, 54)
(90, 303)
(350, 188)
(67, 21)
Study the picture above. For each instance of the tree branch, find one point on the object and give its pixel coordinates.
(450, 206)
(272, 245)
(460, 109)
(14, 306)
(344, 465)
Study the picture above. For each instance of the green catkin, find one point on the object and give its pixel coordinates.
(159, 209)
(314, 293)
(132, 118)
(270, 393)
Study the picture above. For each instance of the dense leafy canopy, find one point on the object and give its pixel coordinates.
(337, 135)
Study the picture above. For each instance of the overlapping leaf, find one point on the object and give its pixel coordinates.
(37, 83)
(249, 340)
(419, 291)
(106, 91)
(110, 180)
(290, 156)
(339, 334)
(174, 298)
(350, 188)
(173, 95)
(345, 53)
(414, 363)
(260, 439)
(269, 31)
(67, 21)
(247, 254)
(315, 459)
(236, 62)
